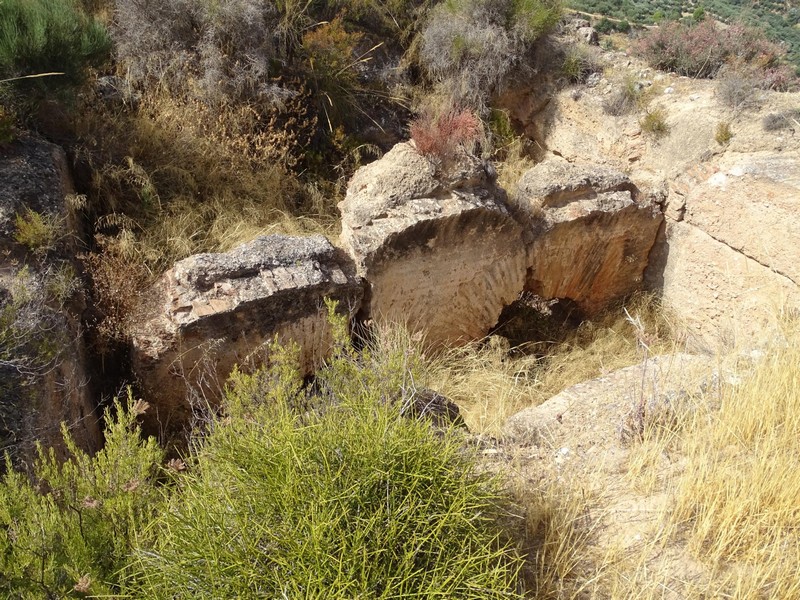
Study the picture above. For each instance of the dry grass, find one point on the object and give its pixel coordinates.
(486, 383)
(717, 494)
(188, 180)
(490, 384)
(737, 500)
(555, 540)
(516, 161)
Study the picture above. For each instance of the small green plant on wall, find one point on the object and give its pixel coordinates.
(36, 231)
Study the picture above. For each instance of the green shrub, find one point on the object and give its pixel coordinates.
(72, 528)
(44, 36)
(604, 26)
(534, 18)
(332, 497)
(38, 232)
(654, 122)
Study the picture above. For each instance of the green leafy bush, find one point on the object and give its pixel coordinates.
(73, 527)
(335, 496)
(606, 25)
(291, 492)
(44, 36)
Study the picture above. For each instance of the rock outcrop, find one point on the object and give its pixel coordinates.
(213, 311)
(726, 263)
(43, 364)
(615, 406)
(435, 242)
(589, 232)
(729, 263)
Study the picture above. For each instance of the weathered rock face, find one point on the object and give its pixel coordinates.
(43, 364)
(729, 263)
(213, 311)
(435, 243)
(589, 233)
(726, 264)
(33, 175)
(615, 406)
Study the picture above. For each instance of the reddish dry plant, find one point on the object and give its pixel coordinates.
(703, 50)
(441, 136)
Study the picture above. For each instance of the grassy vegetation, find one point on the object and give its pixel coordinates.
(289, 491)
(328, 492)
(717, 478)
(245, 120)
(48, 36)
(580, 62)
(654, 122)
(353, 501)
(736, 499)
(490, 382)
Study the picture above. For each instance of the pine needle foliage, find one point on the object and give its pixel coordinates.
(44, 36)
(342, 499)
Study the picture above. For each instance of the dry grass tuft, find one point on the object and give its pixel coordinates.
(516, 161)
(556, 536)
(191, 180)
(736, 501)
(489, 383)
(485, 382)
